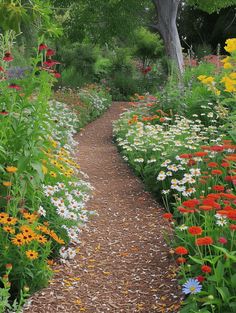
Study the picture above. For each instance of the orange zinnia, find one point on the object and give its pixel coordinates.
(200, 153)
(181, 250)
(206, 207)
(216, 172)
(204, 241)
(195, 230)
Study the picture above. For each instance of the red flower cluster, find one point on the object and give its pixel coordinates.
(146, 70)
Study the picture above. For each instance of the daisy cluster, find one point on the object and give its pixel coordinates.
(153, 149)
(99, 103)
(65, 194)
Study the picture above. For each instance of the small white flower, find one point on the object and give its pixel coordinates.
(161, 176)
(182, 227)
(41, 211)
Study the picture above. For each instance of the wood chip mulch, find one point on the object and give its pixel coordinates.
(123, 263)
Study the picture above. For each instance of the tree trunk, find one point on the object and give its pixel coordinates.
(167, 13)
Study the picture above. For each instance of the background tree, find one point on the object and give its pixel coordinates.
(167, 11)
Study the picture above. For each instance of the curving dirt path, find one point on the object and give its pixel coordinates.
(123, 264)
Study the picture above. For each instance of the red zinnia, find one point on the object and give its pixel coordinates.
(216, 172)
(206, 207)
(191, 162)
(181, 250)
(57, 75)
(50, 53)
(212, 164)
(8, 57)
(211, 202)
(232, 227)
(190, 203)
(195, 230)
(200, 153)
(217, 148)
(222, 240)
(228, 196)
(231, 215)
(167, 216)
(200, 278)
(3, 112)
(185, 156)
(50, 63)
(218, 188)
(206, 269)
(225, 164)
(14, 86)
(184, 210)
(204, 241)
(181, 260)
(42, 46)
(214, 196)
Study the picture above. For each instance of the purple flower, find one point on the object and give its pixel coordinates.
(192, 286)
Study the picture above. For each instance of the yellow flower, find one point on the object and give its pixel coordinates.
(228, 65)
(225, 60)
(28, 237)
(32, 254)
(53, 174)
(54, 162)
(208, 80)
(56, 238)
(230, 84)
(232, 75)
(18, 240)
(217, 91)
(9, 220)
(201, 77)
(41, 239)
(230, 45)
(9, 229)
(26, 229)
(11, 169)
(44, 169)
(3, 216)
(30, 217)
(67, 174)
(7, 184)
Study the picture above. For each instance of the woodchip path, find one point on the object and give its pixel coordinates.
(123, 263)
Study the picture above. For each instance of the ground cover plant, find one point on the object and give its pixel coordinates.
(88, 102)
(42, 193)
(191, 162)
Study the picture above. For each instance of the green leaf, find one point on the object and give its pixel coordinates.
(224, 292)
(233, 280)
(219, 272)
(38, 168)
(226, 252)
(198, 261)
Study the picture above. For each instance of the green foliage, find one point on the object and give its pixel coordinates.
(148, 46)
(212, 6)
(14, 13)
(79, 61)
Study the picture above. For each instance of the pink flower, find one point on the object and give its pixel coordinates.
(222, 240)
(14, 86)
(50, 53)
(42, 46)
(57, 75)
(50, 63)
(8, 57)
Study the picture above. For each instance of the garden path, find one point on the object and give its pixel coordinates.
(123, 263)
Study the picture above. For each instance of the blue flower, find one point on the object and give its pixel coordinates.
(192, 286)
